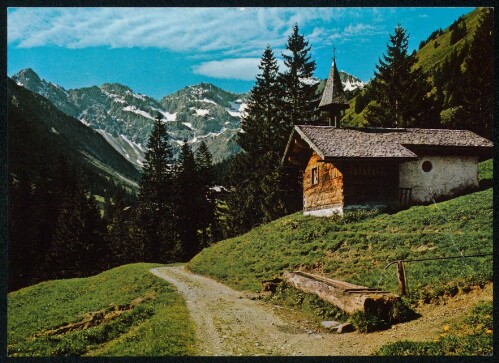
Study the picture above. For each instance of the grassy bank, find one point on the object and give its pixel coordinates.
(125, 311)
(471, 336)
(357, 248)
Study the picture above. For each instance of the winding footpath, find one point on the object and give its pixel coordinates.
(228, 323)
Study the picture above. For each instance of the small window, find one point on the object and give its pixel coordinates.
(315, 176)
(427, 166)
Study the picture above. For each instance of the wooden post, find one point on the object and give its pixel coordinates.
(402, 279)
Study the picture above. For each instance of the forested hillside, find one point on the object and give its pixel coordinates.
(457, 65)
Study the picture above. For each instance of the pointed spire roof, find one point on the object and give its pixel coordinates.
(333, 96)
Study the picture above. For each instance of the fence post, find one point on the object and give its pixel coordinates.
(402, 278)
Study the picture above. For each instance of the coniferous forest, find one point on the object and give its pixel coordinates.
(59, 229)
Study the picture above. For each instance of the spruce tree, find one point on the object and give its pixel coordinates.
(123, 247)
(206, 181)
(301, 98)
(188, 202)
(155, 210)
(78, 244)
(253, 172)
(400, 89)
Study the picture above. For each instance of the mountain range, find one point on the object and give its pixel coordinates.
(39, 134)
(124, 118)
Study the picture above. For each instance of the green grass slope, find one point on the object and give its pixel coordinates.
(471, 336)
(125, 311)
(357, 249)
(431, 56)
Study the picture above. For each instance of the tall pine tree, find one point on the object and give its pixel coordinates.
(301, 98)
(77, 248)
(155, 209)
(206, 177)
(188, 202)
(257, 197)
(401, 90)
(122, 246)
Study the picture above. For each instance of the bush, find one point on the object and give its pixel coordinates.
(366, 322)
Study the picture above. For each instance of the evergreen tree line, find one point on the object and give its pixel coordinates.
(458, 30)
(457, 94)
(55, 225)
(432, 36)
(57, 229)
(175, 213)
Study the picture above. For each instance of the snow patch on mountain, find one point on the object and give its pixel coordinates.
(233, 113)
(310, 81)
(167, 115)
(114, 97)
(136, 95)
(132, 144)
(237, 108)
(201, 112)
(350, 82)
(209, 101)
(137, 111)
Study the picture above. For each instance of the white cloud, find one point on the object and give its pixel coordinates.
(359, 29)
(244, 69)
(225, 42)
(177, 29)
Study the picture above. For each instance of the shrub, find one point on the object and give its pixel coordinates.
(366, 322)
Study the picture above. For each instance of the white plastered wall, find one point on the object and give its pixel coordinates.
(449, 176)
(327, 212)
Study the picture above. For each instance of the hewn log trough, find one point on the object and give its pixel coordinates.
(348, 297)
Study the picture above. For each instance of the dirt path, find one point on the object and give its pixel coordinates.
(229, 323)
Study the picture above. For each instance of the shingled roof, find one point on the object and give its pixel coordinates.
(382, 143)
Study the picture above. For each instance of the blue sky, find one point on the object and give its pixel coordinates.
(156, 51)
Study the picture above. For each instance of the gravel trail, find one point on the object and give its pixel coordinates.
(228, 323)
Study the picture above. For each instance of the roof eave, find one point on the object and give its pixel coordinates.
(309, 142)
(288, 146)
(363, 158)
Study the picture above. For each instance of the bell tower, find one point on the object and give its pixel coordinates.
(333, 97)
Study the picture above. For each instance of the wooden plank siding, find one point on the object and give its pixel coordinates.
(325, 190)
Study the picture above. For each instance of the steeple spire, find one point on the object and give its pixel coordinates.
(333, 97)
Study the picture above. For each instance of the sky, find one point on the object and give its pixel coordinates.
(157, 51)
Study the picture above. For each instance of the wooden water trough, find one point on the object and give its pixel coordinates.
(348, 297)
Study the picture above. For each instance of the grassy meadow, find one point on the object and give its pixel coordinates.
(125, 311)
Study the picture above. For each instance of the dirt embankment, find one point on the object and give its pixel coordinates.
(229, 323)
